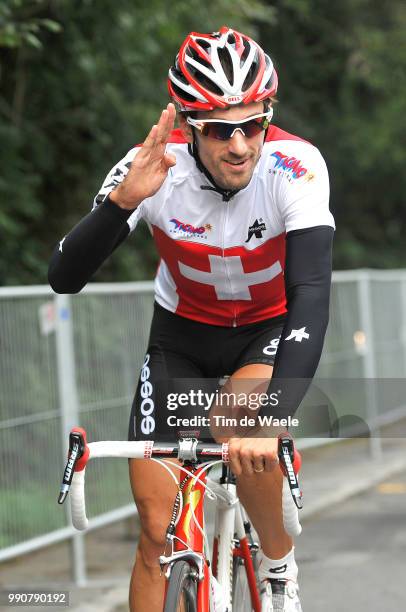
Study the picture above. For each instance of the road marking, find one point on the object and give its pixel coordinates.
(391, 488)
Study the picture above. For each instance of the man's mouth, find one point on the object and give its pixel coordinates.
(240, 164)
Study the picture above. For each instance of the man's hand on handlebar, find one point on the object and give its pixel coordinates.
(250, 456)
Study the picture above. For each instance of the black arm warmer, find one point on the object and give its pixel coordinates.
(307, 282)
(80, 254)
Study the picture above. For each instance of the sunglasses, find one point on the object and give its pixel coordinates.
(221, 129)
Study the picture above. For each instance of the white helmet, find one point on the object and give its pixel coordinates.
(220, 69)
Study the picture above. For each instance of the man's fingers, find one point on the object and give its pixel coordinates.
(150, 140)
(247, 463)
(234, 455)
(170, 160)
(171, 115)
(166, 123)
(159, 133)
(270, 463)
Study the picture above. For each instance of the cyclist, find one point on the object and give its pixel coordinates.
(238, 210)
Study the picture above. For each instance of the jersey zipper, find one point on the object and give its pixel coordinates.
(234, 319)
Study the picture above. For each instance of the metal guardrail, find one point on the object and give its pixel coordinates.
(74, 359)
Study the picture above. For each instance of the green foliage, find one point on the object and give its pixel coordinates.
(74, 104)
(83, 80)
(342, 86)
(19, 26)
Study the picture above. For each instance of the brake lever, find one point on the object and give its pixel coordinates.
(286, 454)
(77, 448)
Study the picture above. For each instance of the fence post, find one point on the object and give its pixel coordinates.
(369, 363)
(403, 323)
(69, 411)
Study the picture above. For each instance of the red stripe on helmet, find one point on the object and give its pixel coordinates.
(202, 52)
(213, 100)
(239, 39)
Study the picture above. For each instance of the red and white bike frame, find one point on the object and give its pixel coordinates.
(188, 536)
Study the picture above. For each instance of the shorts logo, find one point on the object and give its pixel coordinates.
(147, 404)
(290, 165)
(272, 347)
(188, 229)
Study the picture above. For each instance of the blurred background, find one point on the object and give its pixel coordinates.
(82, 81)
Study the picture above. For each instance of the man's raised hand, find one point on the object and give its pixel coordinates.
(150, 166)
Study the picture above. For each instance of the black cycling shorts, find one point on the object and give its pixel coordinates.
(183, 353)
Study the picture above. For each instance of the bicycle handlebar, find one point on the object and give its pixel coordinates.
(186, 450)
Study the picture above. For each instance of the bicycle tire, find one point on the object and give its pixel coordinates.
(181, 595)
(241, 592)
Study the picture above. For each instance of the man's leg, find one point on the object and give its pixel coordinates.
(154, 493)
(261, 493)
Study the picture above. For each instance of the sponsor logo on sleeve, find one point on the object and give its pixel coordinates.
(292, 167)
(298, 335)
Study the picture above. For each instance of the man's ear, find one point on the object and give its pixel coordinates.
(186, 128)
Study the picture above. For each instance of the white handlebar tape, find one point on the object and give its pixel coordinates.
(77, 501)
(130, 450)
(141, 450)
(135, 450)
(290, 512)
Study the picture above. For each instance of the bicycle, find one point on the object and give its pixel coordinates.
(189, 573)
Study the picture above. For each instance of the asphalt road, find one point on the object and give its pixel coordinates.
(353, 556)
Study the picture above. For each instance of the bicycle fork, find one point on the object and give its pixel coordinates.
(229, 531)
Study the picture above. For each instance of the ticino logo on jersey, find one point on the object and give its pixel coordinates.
(190, 230)
(290, 165)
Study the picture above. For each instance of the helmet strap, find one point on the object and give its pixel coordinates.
(194, 152)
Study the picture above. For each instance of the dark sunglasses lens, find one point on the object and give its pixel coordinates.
(223, 131)
(219, 131)
(252, 128)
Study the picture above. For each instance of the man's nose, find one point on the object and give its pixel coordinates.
(238, 144)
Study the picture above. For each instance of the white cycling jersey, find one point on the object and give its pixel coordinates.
(223, 262)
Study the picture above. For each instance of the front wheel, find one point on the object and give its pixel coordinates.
(241, 590)
(245, 593)
(181, 595)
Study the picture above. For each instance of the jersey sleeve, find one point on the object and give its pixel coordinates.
(114, 178)
(78, 256)
(303, 192)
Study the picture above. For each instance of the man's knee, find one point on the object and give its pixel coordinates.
(153, 525)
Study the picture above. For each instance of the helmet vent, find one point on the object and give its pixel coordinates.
(179, 75)
(245, 53)
(203, 43)
(205, 82)
(194, 55)
(226, 64)
(184, 95)
(251, 76)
